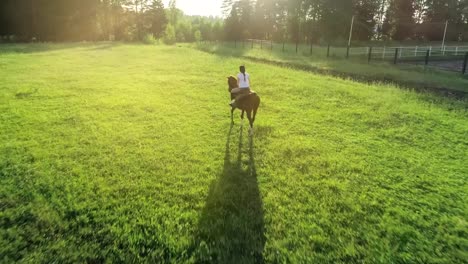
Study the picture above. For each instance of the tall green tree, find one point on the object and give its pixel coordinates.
(264, 19)
(173, 12)
(440, 11)
(366, 13)
(155, 18)
(399, 20)
(232, 25)
(336, 19)
(239, 20)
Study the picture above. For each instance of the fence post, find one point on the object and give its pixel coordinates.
(369, 58)
(426, 62)
(416, 51)
(383, 53)
(347, 51)
(297, 45)
(395, 59)
(271, 43)
(328, 51)
(311, 47)
(252, 43)
(465, 63)
(456, 51)
(283, 45)
(430, 50)
(261, 44)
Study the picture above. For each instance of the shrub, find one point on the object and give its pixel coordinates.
(180, 37)
(149, 39)
(169, 35)
(198, 36)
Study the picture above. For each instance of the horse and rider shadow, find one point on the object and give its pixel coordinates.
(231, 228)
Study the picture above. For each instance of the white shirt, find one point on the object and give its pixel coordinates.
(244, 82)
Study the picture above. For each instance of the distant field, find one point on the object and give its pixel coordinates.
(406, 74)
(125, 153)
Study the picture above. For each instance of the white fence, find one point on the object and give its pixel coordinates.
(408, 52)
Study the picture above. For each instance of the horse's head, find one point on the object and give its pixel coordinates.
(232, 82)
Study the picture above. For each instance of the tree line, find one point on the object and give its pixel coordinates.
(280, 20)
(93, 20)
(330, 20)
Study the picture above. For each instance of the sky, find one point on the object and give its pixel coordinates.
(199, 7)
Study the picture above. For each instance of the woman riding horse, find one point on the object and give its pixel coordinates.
(247, 101)
(243, 84)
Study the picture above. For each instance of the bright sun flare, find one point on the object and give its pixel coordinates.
(199, 7)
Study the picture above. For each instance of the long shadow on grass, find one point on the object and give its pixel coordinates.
(231, 228)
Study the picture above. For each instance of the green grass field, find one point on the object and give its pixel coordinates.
(406, 74)
(125, 153)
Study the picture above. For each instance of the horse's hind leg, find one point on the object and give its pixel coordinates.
(232, 115)
(254, 115)
(242, 116)
(249, 116)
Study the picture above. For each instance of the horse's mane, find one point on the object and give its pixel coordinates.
(232, 81)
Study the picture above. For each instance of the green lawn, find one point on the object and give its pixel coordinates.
(355, 67)
(125, 153)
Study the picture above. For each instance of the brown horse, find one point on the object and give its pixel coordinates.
(249, 103)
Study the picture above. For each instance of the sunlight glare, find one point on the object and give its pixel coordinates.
(199, 7)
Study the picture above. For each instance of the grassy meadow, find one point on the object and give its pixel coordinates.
(357, 66)
(125, 153)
